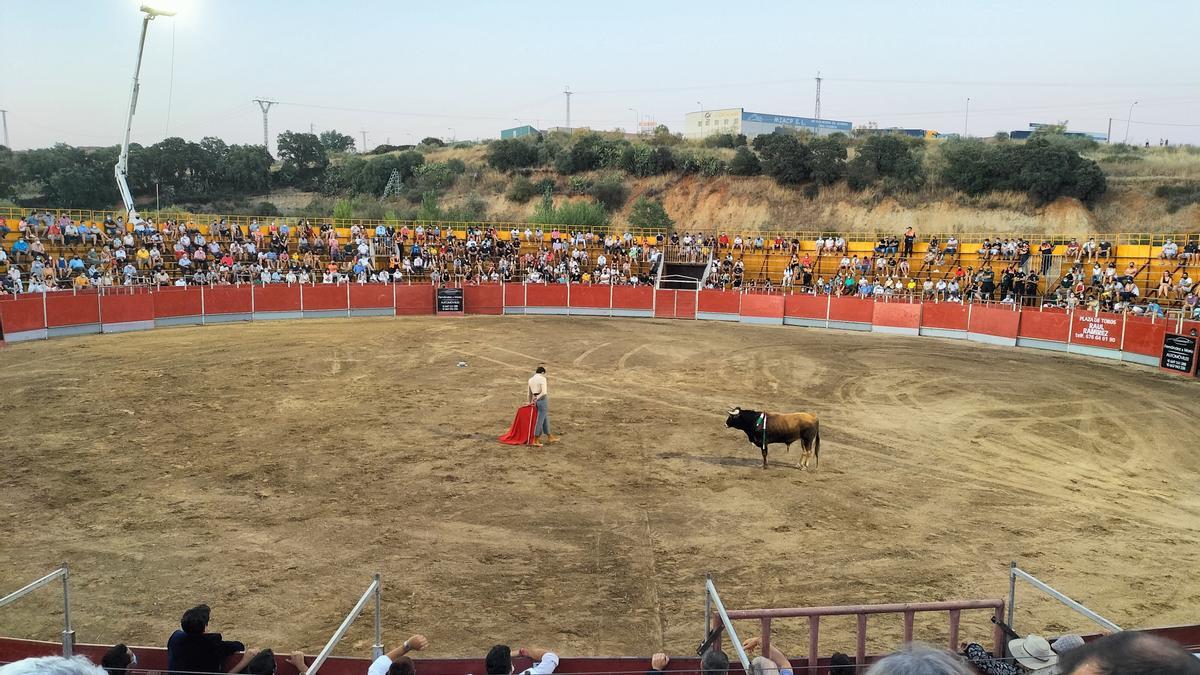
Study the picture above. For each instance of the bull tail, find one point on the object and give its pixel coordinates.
(817, 447)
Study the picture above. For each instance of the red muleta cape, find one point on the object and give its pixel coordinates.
(521, 431)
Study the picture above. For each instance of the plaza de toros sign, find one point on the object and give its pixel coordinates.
(1096, 330)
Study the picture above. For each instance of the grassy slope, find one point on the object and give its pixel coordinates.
(758, 203)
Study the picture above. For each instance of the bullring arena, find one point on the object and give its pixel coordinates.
(269, 468)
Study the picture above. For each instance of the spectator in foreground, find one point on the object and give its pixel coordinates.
(499, 661)
(118, 660)
(395, 662)
(193, 650)
(713, 662)
(773, 664)
(841, 664)
(52, 665)
(263, 663)
(919, 659)
(1130, 653)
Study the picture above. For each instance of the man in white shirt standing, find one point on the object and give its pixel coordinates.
(395, 662)
(538, 393)
(499, 661)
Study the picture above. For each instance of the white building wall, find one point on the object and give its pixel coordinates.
(704, 123)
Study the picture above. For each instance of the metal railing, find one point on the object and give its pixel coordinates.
(64, 573)
(1015, 573)
(861, 612)
(805, 237)
(712, 635)
(373, 591)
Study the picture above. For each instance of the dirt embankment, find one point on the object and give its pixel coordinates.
(758, 203)
(729, 202)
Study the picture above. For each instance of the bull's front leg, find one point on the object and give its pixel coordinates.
(764, 453)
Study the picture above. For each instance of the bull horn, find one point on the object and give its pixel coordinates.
(733, 411)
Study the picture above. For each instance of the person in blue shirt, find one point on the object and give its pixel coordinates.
(1154, 309)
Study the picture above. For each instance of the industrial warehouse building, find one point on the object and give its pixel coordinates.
(737, 121)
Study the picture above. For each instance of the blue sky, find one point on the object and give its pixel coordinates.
(403, 70)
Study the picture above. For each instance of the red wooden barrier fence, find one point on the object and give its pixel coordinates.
(1131, 338)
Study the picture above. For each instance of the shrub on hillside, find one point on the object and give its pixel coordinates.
(520, 190)
(649, 214)
(511, 153)
(745, 163)
(610, 191)
(644, 160)
(573, 214)
(719, 141)
(589, 152)
(1045, 168)
(1178, 196)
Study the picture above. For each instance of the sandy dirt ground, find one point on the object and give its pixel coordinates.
(270, 469)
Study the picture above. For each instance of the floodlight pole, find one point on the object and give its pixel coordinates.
(121, 169)
(1128, 120)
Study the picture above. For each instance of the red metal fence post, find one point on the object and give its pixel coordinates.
(814, 630)
(860, 653)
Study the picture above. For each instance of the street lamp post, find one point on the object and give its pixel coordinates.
(452, 134)
(121, 169)
(1128, 119)
(637, 125)
(967, 119)
(701, 106)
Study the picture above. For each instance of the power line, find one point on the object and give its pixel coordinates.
(1155, 124)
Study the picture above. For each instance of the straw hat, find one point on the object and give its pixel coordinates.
(1033, 652)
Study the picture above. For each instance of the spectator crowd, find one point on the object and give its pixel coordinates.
(52, 252)
(195, 650)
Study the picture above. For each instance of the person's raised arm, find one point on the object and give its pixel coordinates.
(413, 644)
(544, 660)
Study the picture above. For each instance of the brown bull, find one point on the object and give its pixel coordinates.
(765, 428)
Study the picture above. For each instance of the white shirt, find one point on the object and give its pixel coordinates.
(544, 667)
(537, 386)
(380, 666)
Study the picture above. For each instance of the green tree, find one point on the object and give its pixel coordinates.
(649, 214)
(784, 158)
(8, 173)
(305, 154)
(828, 158)
(895, 159)
(336, 141)
(644, 160)
(377, 171)
(246, 169)
(745, 163)
(433, 142)
(433, 176)
(511, 153)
